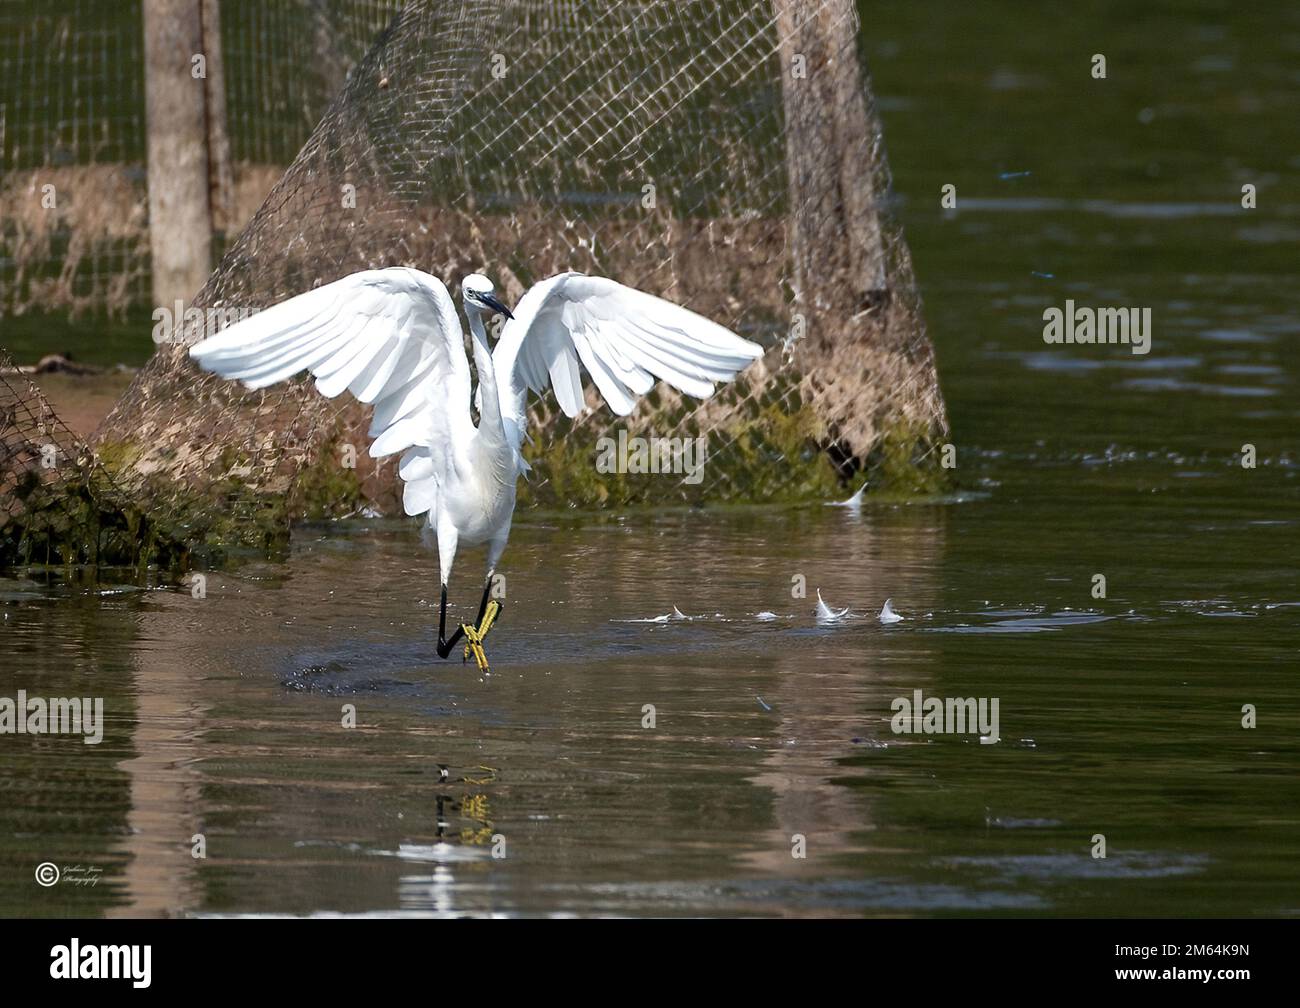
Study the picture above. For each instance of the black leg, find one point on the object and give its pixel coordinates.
(444, 645)
(482, 606)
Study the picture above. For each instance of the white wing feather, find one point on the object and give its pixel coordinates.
(624, 338)
(391, 337)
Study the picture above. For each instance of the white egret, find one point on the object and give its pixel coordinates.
(392, 338)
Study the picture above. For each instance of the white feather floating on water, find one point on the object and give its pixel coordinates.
(854, 503)
(887, 614)
(676, 614)
(827, 615)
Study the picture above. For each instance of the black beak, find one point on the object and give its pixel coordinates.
(491, 301)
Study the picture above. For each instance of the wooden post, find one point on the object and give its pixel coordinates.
(331, 70)
(221, 179)
(866, 361)
(839, 254)
(180, 214)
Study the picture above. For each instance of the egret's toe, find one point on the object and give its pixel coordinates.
(474, 646)
(490, 615)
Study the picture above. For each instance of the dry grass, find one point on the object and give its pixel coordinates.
(88, 255)
(89, 252)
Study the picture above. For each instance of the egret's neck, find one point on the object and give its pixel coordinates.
(489, 425)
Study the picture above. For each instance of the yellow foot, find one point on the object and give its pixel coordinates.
(489, 617)
(474, 635)
(474, 646)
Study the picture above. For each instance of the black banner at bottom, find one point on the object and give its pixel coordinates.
(339, 956)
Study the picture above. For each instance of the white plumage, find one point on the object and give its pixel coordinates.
(392, 338)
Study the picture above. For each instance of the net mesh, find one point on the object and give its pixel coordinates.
(73, 233)
(58, 505)
(722, 154)
(72, 118)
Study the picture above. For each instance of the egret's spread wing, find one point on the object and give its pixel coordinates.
(391, 337)
(624, 338)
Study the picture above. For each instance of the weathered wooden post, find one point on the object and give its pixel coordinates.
(178, 80)
(866, 360)
(835, 228)
(221, 179)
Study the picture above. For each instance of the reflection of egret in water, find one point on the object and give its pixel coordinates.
(440, 891)
(471, 807)
(475, 807)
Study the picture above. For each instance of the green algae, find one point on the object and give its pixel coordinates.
(773, 449)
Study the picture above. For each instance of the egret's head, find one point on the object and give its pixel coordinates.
(478, 292)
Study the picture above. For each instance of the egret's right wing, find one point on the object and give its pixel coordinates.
(391, 337)
(626, 339)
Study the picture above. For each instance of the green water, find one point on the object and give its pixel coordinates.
(1119, 716)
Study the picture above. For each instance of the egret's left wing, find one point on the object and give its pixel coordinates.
(624, 338)
(391, 338)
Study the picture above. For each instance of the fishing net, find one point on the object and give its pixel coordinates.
(58, 506)
(725, 155)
